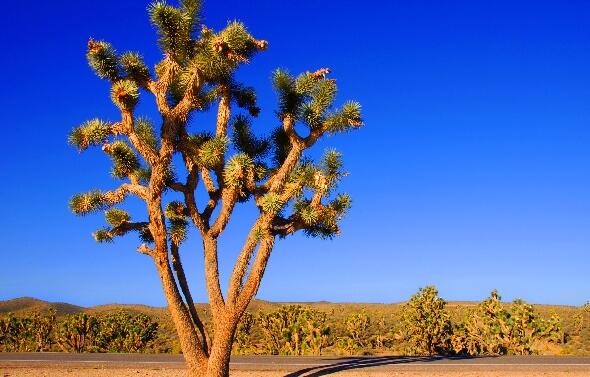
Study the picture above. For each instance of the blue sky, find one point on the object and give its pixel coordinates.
(472, 173)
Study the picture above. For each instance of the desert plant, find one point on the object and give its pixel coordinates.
(123, 332)
(10, 333)
(76, 333)
(426, 325)
(243, 340)
(381, 339)
(356, 338)
(492, 329)
(42, 328)
(233, 165)
(294, 330)
(316, 331)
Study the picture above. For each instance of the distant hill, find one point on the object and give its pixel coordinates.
(28, 304)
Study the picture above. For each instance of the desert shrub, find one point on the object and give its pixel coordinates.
(123, 332)
(294, 330)
(42, 327)
(380, 337)
(32, 333)
(76, 333)
(14, 334)
(357, 338)
(426, 326)
(492, 329)
(243, 344)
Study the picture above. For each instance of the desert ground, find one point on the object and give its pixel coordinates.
(418, 372)
(127, 365)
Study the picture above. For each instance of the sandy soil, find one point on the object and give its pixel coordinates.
(130, 372)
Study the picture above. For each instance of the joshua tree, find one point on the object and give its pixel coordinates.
(292, 193)
(426, 323)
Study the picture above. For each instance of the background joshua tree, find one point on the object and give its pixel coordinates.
(426, 324)
(233, 165)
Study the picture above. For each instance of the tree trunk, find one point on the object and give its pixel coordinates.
(218, 365)
(189, 343)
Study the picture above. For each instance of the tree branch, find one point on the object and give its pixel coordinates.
(141, 146)
(212, 276)
(229, 197)
(179, 270)
(118, 195)
(223, 112)
(254, 278)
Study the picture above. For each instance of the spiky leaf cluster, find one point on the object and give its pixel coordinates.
(144, 128)
(245, 97)
(92, 132)
(211, 152)
(82, 204)
(309, 98)
(174, 27)
(217, 55)
(125, 94)
(245, 141)
(125, 161)
(175, 212)
(117, 217)
(272, 203)
(103, 235)
(134, 67)
(103, 59)
(239, 172)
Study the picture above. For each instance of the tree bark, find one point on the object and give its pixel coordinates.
(218, 365)
(189, 343)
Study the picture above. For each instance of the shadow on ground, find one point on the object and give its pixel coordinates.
(349, 363)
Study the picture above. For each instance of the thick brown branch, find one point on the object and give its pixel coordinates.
(188, 101)
(276, 182)
(118, 195)
(255, 277)
(212, 277)
(229, 198)
(179, 270)
(188, 337)
(223, 112)
(160, 88)
(146, 151)
(241, 265)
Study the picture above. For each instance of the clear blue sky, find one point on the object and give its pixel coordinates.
(472, 173)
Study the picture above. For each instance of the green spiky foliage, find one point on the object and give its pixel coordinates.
(91, 133)
(495, 329)
(426, 325)
(197, 177)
